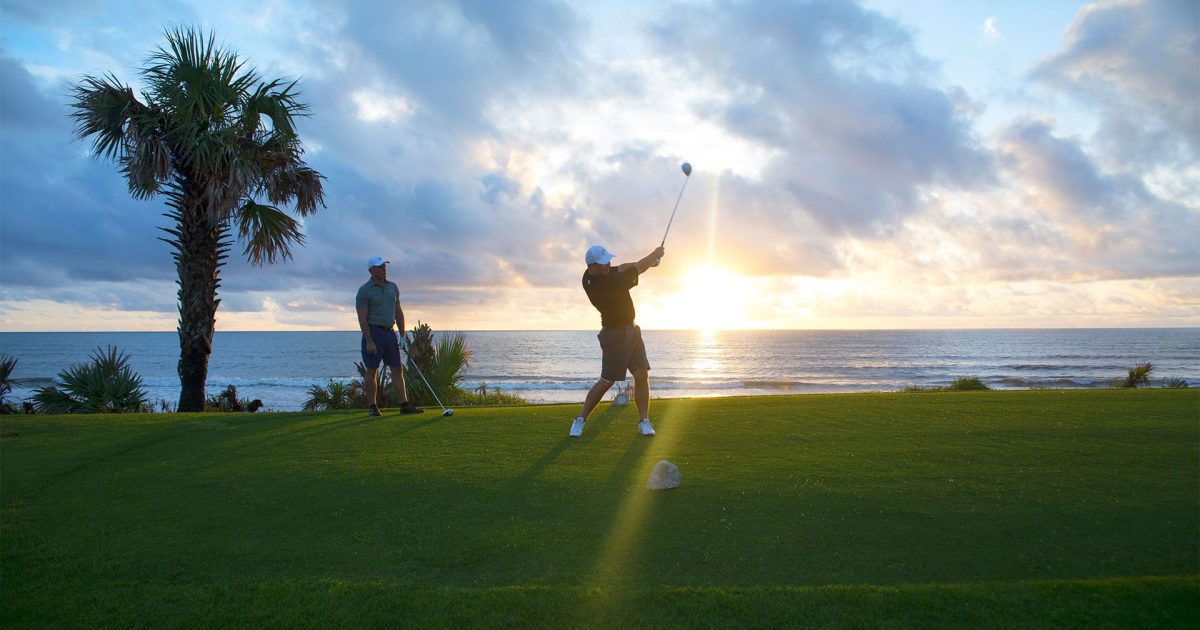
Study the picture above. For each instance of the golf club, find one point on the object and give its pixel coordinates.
(687, 174)
(445, 412)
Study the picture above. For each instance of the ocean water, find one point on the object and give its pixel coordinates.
(559, 366)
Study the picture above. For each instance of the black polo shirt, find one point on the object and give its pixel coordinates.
(609, 293)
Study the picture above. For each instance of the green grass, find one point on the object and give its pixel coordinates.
(986, 509)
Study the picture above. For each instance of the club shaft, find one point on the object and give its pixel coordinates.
(426, 381)
(672, 219)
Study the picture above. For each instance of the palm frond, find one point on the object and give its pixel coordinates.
(278, 105)
(106, 111)
(298, 184)
(7, 365)
(268, 232)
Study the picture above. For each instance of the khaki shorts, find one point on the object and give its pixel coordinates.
(622, 350)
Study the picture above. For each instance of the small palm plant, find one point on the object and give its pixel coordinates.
(1139, 375)
(442, 364)
(105, 385)
(7, 365)
(420, 347)
(335, 395)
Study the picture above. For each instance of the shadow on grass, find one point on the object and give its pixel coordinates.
(302, 434)
(627, 466)
(596, 424)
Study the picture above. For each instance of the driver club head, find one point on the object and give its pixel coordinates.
(687, 169)
(447, 413)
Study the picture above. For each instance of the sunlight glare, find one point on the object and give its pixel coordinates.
(711, 299)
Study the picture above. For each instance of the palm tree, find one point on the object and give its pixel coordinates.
(222, 147)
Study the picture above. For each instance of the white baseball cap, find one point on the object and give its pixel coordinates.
(596, 254)
(376, 261)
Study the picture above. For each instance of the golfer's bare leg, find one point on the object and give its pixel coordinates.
(641, 392)
(593, 397)
(398, 384)
(369, 385)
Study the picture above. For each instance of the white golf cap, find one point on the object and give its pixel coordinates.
(376, 261)
(596, 254)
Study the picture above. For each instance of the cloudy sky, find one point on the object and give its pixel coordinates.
(874, 164)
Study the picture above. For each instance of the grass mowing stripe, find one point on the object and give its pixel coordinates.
(1149, 601)
(247, 517)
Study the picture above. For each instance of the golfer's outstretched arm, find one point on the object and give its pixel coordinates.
(399, 317)
(650, 260)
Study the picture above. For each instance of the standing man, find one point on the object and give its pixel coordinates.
(378, 306)
(620, 339)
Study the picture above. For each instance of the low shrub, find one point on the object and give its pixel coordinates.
(335, 395)
(963, 384)
(483, 395)
(968, 384)
(228, 401)
(107, 384)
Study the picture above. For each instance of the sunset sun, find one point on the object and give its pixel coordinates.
(710, 298)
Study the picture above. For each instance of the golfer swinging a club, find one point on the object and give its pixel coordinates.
(378, 306)
(620, 339)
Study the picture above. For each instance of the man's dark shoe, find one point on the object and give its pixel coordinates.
(407, 407)
(373, 410)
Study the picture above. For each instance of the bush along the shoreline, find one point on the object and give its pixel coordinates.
(107, 384)
(335, 395)
(962, 384)
(484, 395)
(228, 401)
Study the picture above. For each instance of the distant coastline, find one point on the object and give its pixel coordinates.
(558, 366)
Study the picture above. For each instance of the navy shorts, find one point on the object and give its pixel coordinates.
(622, 350)
(387, 348)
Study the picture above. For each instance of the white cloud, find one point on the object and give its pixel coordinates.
(375, 107)
(991, 33)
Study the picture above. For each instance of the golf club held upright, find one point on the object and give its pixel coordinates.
(687, 175)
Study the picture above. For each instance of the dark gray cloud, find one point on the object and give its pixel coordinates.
(67, 217)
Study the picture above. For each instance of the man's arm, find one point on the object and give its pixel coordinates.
(645, 263)
(399, 317)
(366, 330)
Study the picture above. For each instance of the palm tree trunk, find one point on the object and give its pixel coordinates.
(201, 250)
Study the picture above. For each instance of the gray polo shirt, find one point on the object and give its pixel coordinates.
(380, 302)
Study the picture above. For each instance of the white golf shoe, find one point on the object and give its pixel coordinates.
(577, 427)
(644, 427)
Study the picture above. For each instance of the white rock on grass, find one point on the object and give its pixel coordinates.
(664, 476)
